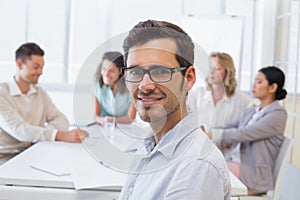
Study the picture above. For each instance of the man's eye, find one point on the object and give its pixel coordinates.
(136, 72)
(160, 71)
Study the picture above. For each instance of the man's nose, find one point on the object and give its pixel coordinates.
(146, 83)
(40, 71)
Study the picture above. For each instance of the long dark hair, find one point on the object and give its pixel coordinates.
(117, 58)
(275, 75)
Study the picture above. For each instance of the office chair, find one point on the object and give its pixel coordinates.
(290, 182)
(278, 171)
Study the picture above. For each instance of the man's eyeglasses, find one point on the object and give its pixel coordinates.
(157, 73)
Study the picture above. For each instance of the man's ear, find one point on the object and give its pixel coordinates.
(19, 63)
(273, 88)
(190, 77)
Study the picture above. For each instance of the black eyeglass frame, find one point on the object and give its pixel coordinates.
(147, 71)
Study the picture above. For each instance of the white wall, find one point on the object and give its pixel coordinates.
(90, 23)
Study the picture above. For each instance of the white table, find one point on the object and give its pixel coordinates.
(18, 180)
(24, 182)
(40, 193)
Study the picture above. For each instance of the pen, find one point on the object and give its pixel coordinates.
(93, 123)
(87, 125)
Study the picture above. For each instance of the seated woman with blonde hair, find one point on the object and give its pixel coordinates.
(220, 102)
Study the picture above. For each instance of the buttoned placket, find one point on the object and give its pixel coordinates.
(142, 164)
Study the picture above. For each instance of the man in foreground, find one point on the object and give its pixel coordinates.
(178, 161)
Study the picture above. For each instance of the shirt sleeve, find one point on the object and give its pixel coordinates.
(217, 132)
(271, 124)
(198, 179)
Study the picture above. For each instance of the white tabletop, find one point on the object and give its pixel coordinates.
(53, 164)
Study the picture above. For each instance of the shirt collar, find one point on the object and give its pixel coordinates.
(257, 109)
(168, 143)
(224, 98)
(14, 89)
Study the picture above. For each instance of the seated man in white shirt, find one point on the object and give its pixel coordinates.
(178, 161)
(27, 114)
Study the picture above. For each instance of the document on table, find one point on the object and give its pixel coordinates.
(98, 177)
(54, 172)
(92, 174)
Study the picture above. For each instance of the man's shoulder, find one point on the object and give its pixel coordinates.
(204, 157)
(208, 151)
(4, 88)
(204, 150)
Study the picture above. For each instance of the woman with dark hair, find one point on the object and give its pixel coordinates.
(260, 130)
(112, 100)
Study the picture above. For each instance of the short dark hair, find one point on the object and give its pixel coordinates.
(28, 49)
(152, 29)
(116, 58)
(275, 75)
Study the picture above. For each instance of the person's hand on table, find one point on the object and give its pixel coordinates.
(75, 135)
(100, 120)
(226, 146)
(103, 120)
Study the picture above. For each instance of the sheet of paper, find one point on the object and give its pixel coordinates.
(97, 176)
(54, 172)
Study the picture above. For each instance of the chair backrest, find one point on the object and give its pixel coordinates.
(289, 189)
(280, 164)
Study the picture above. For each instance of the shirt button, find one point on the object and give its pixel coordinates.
(130, 190)
(146, 160)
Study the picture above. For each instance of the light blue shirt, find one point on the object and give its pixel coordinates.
(112, 105)
(185, 164)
